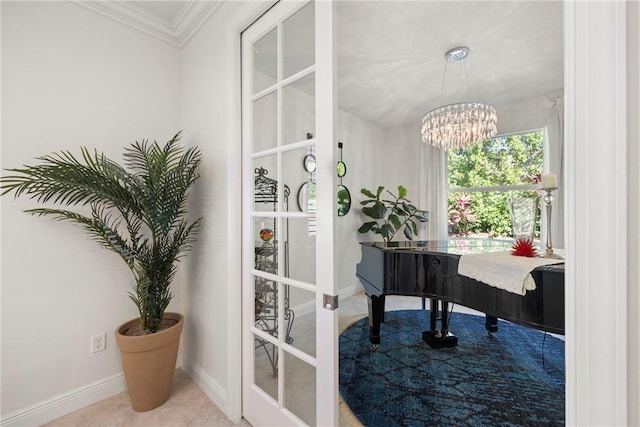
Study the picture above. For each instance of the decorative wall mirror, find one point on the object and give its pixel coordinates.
(342, 168)
(307, 197)
(344, 200)
(309, 163)
(344, 196)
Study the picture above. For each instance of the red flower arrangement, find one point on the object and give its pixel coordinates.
(523, 247)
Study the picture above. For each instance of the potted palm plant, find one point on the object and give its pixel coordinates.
(140, 214)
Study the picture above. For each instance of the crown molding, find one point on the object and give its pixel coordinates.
(192, 18)
(178, 32)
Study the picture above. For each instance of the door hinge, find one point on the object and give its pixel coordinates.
(329, 302)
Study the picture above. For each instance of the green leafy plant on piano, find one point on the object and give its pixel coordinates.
(390, 215)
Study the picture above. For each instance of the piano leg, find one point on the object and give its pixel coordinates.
(376, 316)
(444, 321)
(433, 314)
(438, 338)
(491, 324)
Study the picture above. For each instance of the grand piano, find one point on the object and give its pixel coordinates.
(429, 269)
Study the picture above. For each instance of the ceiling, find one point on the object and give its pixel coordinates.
(391, 53)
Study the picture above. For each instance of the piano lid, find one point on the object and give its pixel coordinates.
(453, 246)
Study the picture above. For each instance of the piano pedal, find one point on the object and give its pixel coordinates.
(436, 339)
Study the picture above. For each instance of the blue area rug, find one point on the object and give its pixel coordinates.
(484, 381)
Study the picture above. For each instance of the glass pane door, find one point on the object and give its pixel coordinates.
(280, 219)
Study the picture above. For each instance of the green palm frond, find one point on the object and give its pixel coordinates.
(102, 227)
(138, 213)
(62, 179)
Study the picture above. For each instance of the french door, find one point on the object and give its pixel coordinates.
(289, 204)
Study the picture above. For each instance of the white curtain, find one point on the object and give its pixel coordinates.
(554, 163)
(433, 191)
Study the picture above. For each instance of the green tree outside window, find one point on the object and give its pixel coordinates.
(503, 162)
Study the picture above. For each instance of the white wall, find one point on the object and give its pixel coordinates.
(363, 152)
(210, 111)
(633, 210)
(70, 78)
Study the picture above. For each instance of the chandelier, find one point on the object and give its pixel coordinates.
(458, 125)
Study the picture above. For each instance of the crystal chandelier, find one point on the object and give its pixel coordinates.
(458, 125)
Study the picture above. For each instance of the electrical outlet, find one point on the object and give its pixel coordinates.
(98, 342)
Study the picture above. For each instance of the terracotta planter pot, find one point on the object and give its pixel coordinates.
(149, 362)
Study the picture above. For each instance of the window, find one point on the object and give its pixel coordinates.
(483, 177)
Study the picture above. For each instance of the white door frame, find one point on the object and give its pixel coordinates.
(595, 213)
(326, 272)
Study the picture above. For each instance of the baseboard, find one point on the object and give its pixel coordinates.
(65, 403)
(346, 292)
(303, 309)
(211, 387)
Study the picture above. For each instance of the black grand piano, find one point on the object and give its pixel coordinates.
(429, 269)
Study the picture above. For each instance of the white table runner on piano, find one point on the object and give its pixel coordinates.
(503, 270)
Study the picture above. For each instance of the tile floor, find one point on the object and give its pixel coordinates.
(189, 406)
